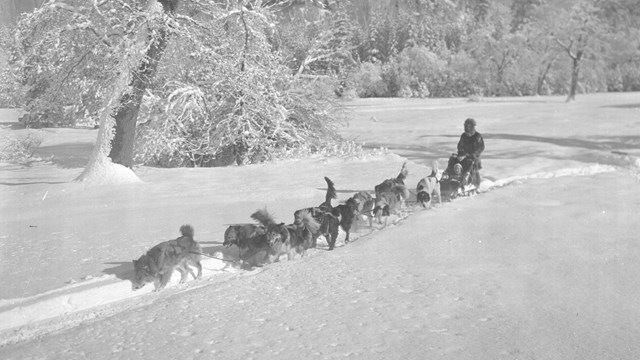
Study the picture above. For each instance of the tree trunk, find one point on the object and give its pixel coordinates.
(125, 128)
(122, 145)
(543, 76)
(575, 72)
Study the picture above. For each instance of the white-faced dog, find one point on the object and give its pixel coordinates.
(427, 188)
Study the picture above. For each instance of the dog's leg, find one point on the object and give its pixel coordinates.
(247, 256)
(164, 279)
(314, 240)
(347, 229)
(333, 237)
(276, 256)
(199, 267)
(189, 269)
(183, 272)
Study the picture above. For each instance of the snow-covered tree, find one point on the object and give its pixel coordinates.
(207, 78)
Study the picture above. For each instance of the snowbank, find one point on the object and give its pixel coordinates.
(88, 294)
(105, 172)
(589, 170)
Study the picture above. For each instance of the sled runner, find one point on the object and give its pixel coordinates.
(455, 182)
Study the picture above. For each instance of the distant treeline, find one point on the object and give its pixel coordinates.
(402, 48)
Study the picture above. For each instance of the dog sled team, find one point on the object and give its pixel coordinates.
(266, 240)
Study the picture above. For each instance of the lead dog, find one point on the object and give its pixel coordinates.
(428, 187)
(158, 263)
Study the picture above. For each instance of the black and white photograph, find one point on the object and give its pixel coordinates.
(320, 179)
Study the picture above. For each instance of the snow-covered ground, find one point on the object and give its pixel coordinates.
(540, 265)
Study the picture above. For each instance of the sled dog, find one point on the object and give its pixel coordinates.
(158, 263)
(427, 188)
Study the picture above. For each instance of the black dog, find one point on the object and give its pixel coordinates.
(242, 235)
(347, 214)
(329, 224)
(323, 215)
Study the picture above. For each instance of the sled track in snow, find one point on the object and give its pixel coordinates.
(24, 319)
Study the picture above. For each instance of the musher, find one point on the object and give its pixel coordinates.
(470, 147)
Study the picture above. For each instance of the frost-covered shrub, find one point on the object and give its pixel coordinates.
(244, 124)
(66, 57)
(624, 77)
(10, 90)
(418, 68)
(418, 72)
(460, 78)
(369, 81)
(630, 77)
(231, 100)
(392, 78)
(196, 130)
(19, 150)
(342, 149)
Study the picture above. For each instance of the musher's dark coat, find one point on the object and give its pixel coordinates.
(471, 146)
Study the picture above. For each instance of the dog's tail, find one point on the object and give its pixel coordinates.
(434, 170)
(331, 192)
(186, 230)
(263, 217)
(400, 191)
(309, 222)
(404, 172)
